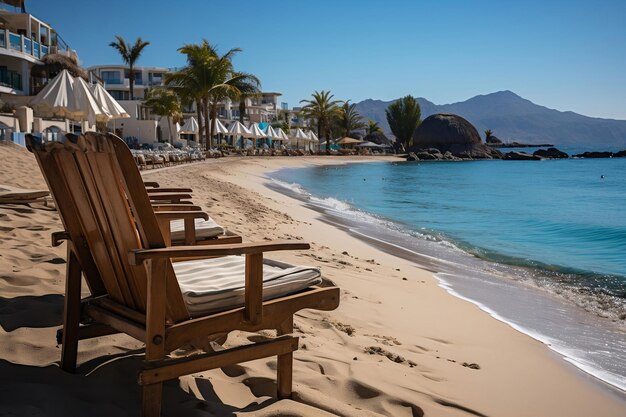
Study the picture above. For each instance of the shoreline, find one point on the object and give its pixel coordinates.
(449, 271)
(396, 345)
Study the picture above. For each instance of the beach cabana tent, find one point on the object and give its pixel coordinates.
(220, 129)
(66, 97)
(270, 132)
(257, 133)
(111, 108)
(190, 126)
(236, 129)
(281, 136)
(298, 136)
(313, 139)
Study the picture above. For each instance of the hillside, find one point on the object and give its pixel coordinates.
(513, 118)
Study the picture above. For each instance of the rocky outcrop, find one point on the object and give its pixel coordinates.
(594, 155)
(432, 155)
(493, 140)
(449, 133)
(620, 154)
(552, 153)
(519, 145)
(521, 156)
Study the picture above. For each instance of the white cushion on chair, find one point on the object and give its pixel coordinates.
(217, 284)
(205, 229)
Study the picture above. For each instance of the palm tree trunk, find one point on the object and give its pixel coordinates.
(207, 125)
(242, 109)
(199, 114)
(213, 115)
(169, 122)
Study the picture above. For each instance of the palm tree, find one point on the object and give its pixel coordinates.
(372, 127)
(210, 77)
(403, 117)
(165, 103)
(323, 109)
(349, 119)
(130, 54)
(488, 135)
(238, 87)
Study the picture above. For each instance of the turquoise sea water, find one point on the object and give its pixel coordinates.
(559, 224)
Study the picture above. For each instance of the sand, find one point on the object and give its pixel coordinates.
(398, 345)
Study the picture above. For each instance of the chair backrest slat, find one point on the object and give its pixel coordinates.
(49, 165)
(112, 220)
(147, 224)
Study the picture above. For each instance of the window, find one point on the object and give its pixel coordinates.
(138, 77)
(111, 77)
(155, 78)
(119, 95)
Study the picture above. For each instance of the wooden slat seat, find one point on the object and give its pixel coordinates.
(116, 242)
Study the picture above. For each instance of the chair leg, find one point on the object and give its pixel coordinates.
(71, 313)
(152, 396)
(285, 375)
(285, 364)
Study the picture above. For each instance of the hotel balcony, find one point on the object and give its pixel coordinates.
(14, 44)
(24, 41)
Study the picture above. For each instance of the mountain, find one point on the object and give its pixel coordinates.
(513, 118)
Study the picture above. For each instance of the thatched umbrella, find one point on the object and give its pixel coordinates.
(53, 64)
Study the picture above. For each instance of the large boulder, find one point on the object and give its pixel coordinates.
(453, 134)
(443, 129)
(552, 153)
(493, 140)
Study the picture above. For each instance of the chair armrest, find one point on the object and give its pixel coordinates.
(174, 215)
(169, 196)
(152, 184)
(59, 237)
(168, 190)
(136, 257)
(175, 207)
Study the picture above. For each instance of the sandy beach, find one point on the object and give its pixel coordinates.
(399, 344)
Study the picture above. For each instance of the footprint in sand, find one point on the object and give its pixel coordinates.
(363, 391)
(415, 410)
(445, 342)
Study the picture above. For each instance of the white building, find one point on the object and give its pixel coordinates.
(116, 79)
(24, 39)
(149, 128)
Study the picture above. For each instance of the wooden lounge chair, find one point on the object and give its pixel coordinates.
(138, 288)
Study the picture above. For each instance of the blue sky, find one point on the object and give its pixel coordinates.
(568, 55)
